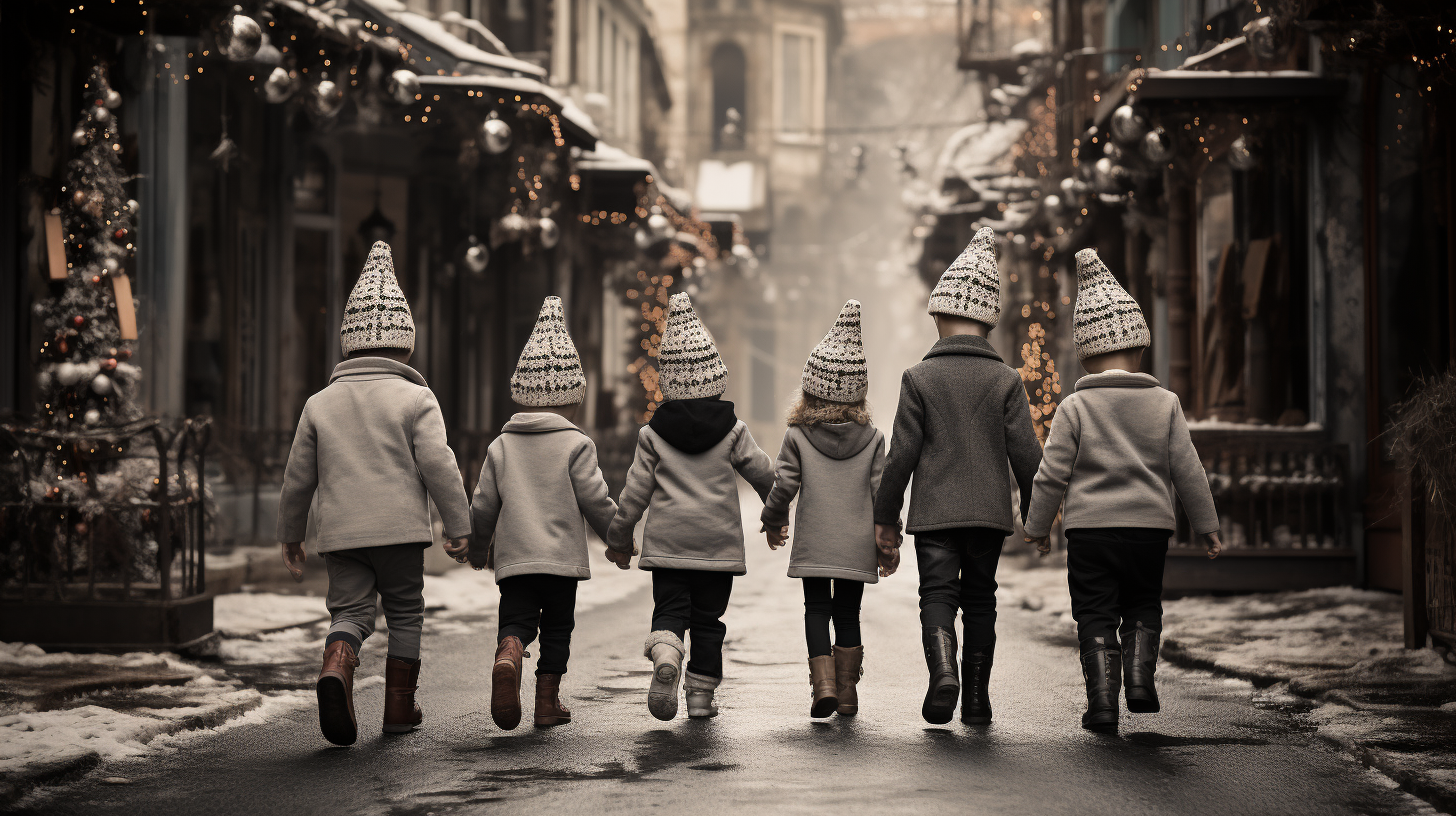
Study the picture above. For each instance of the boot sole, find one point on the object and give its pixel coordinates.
(400, 728)
(505, 711)
(551, 722)
(824, 707)
(845, 711)
(336, 721)
(979, 720)
(662, 694)
(1102, 724)
(940, 703)
(1141, 702)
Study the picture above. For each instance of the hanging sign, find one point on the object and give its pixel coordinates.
(55, 245)
(125, 307)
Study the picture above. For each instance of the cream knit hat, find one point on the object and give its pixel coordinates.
(377, 316)
(688, 364)
(549, 371)
(1106, 318)
(836, 369)
(971, 287)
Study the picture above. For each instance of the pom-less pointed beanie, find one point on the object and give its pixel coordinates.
(971, 287)
(377, 316)
(1106, 318)
(549, 371)
(688, 363)
(836, 369)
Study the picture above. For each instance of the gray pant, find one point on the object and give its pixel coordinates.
(362, 580)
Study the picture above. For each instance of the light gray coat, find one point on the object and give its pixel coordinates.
(539, 480)
(835, 470)
(1118, 448)
(372, 444)
(695, 521)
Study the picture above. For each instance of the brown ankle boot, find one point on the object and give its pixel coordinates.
(549, 710)
(401, 712)
(505, 683)
(848, 666)
(336, 694)
(821, 677)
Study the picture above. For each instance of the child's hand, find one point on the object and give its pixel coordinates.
(1214, 545)
(777, 537)
(457, 547)
(1043, 545)
(623, 560)
(887, 537)
(889, 562)
(293, 556)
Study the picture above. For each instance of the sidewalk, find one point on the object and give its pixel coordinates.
(1333, 658)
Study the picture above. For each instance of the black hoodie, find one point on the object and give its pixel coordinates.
(694, 425)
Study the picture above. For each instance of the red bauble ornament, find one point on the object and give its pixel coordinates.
(63, 346)
(52, 492)
(81, 528)
(108, 364)
(78, 321)
(95, 278)
(123, 354)
(120, 233)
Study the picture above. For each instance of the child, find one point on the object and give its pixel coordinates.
(684, 469)
(539, 479)
(1118, 448)
(372, 444)
(832, 457)
(963, 414)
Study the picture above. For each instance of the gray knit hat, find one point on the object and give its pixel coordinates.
(688, 363)
(1106, 318)
(836, 369)
(549, 371)
(377, 316)
(971, 287)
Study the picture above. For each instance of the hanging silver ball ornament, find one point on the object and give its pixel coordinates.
(239, 36)
(550, 233)
(1127, 125)
(102, 385)
(1157, 146)
(111, 265)
(1112, 151)
(100, 115)
(326, 98)
(133, 206)
(92, 416)
(278, 86)
(1243, 154)
(68, 374)
(659, 225)
(1051, 202)
(404, 86)
(495, 136)
(112, 99)
(477, 257)
(513, 226)
(79, 137)
(641, 237)
(1102, 175)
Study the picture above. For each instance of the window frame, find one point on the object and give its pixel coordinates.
(814, 85)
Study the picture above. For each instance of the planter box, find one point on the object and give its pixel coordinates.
(107, 625)
(1188, 570)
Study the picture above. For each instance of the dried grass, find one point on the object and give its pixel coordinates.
(1424, 437)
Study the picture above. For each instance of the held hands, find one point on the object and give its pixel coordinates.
(1043, 545)
(457, 548)
(777, 537)
(293, 557)
(623, 560)
(1214, 545)
(887, 542)
(888, 563)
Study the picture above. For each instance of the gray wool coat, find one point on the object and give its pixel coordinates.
(1119, 447)
(538, 490)
(835, 470)
(372, 445)
(695, 521)
(963, 415)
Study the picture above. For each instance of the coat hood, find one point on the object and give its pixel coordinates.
(1117, 378)
(966, 344)
(693, 425)
(538, 422)
(839, 440)
(372, 368)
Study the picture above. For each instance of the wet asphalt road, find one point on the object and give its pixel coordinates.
(1210, 751)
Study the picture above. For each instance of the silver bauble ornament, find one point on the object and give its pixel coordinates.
(404, 86)
(495, 136)
(100, 115)
(68, 373)
(477, 257)
(1051, 202)
(111, 265)
(112, 99)
(278, 86)
(550, 233)
(1113, 151)
(102, 385)
(660, 226)
(239, 36)
(79, 137)
(1127, 125)
(326, 98)
(1243, 154)
(92, 416)
(1102, 175)
(513, 226)
(641, 237)
(1157, 146)
(133, 206)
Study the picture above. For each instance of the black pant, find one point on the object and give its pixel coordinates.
(1116, 578)
(958, 570)
(544, 602)
(839, 602)
(694, 600)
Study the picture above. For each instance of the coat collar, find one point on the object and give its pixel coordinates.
(374, 368)
(1117, 379)
(538, 422)
(966, 344)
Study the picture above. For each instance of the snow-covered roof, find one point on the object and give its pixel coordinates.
(431, 32)
(981, 150)
(607, 158)
(568, 112)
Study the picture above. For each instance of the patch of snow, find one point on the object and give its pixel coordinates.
(981, 149)
(244, 613)
(1223, 425)
(1214, 51)
(17, 657)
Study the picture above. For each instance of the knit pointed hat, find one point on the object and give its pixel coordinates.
(377, 316)
(836, 369)
(549, 371)
(1106, 318)
(688, 363)
(971, 287)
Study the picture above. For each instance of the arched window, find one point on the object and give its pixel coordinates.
(730, 96)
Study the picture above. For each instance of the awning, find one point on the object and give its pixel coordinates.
(1193, 85)
(576, 127)
(435, 50)
(605, 158)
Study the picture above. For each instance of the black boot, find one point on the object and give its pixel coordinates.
(975, 683)
(940, 657)
(1102, 669)
(1140, 658)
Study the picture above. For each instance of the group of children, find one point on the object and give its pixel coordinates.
(370, 454)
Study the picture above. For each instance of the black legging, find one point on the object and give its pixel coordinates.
(842, 605)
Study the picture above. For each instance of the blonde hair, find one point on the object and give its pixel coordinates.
(807, 409)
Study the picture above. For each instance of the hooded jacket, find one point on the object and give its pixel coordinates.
(372, 446)
(1118, 449)
(835, 470)
(539, 480)
(695, 521)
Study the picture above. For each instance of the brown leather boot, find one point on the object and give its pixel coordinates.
(336, 694)
(821, 677)
(505, 683)
(401, 712)
(549, 710)
(848, 666)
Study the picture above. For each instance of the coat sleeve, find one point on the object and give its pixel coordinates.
(905, 444)
(877, 466)
(641, 482)
(1189, 477)
(485, 507)
(438, 467)
(1050, 484)
(785, 486)
(752, 463)
(300, 480)
(1021, 446)
(592, 494)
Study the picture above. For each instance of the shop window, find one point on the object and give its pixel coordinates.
(1126, 33)
(796, 83)
(730, 96)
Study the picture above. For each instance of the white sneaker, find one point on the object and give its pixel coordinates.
(700, 695)
(665, 650)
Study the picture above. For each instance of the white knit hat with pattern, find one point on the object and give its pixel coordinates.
(377, 316)
(971, 286)
(836, 370)
(549, 371)
(1106, 318)
(688, 363)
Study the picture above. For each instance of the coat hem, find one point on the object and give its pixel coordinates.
(543, 568)
(701, 564)
(328, 548)
(952, 525)
(842, 573)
